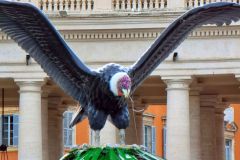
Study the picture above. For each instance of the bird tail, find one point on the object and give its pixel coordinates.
(78, 117)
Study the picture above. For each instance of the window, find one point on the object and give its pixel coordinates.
(68, 132)
(228, 149)
(150, 138)
(10, 130)
(229, 114)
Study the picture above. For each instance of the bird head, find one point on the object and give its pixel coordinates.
(120, 84)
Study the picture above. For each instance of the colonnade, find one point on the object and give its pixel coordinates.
(194, 124)
(40, 123)
(30, 121)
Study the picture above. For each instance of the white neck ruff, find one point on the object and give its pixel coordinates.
(114, 80)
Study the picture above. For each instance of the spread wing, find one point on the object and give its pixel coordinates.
(215, 13)
(30, 28)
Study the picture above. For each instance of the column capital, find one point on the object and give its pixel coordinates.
(219, 114)
(45, 91)
(237, 76)
(177, 83)
(178, 77)
(220, 107)
(43, 79)
(209, 100)
(61, 110)
(22, 81)
(29, 85)
(54, 101)
(195, 91)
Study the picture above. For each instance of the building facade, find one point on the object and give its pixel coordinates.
(196, 88)
(154, 131)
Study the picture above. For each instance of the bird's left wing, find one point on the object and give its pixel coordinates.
(171, 37)
(31, 29)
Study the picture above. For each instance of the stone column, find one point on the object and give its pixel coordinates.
(52, 134)
(178, 125)
(219, 131)
(45, 126)
(208, 140)
(55, 129)
(134, 133)
(195, 141)
(108, 134)
(208, 133)
(60, 151)
(30, 121)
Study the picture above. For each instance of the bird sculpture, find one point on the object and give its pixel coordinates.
(104, 92)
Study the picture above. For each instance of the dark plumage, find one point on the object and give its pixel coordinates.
(30, 28)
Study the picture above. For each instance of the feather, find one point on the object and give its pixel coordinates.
(27, 26)
(78, 116)
(214, 13)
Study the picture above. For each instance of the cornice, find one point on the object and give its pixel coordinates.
(204, 33)
(114, 21)
(118, 14)
(141, 34)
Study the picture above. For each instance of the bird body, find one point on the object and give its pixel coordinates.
(103, 102)
(102, 93)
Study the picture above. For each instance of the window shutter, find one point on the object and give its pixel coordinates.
(70, 114)
(164, 141)
(65, 128)
(228, 149)
(68, 135)
(65, 116)
(15, 129)
(145, 136)
(153, 140)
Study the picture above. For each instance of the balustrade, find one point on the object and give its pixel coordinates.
(138, 5)
(89, 6)
(69, 5)
(196, 3)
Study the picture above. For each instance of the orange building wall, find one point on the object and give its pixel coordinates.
(158, 111)
(12, 155)
(82, 132)
(237, 134)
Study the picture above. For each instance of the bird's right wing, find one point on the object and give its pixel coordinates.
(173, 36)
(31, 29)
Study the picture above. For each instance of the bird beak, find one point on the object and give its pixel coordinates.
(126, 92)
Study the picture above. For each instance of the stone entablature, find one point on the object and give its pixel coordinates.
(135, 34)
(121, 37)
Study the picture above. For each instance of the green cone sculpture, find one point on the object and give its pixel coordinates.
(109, 153)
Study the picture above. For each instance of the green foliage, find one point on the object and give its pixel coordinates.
(109, 153)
